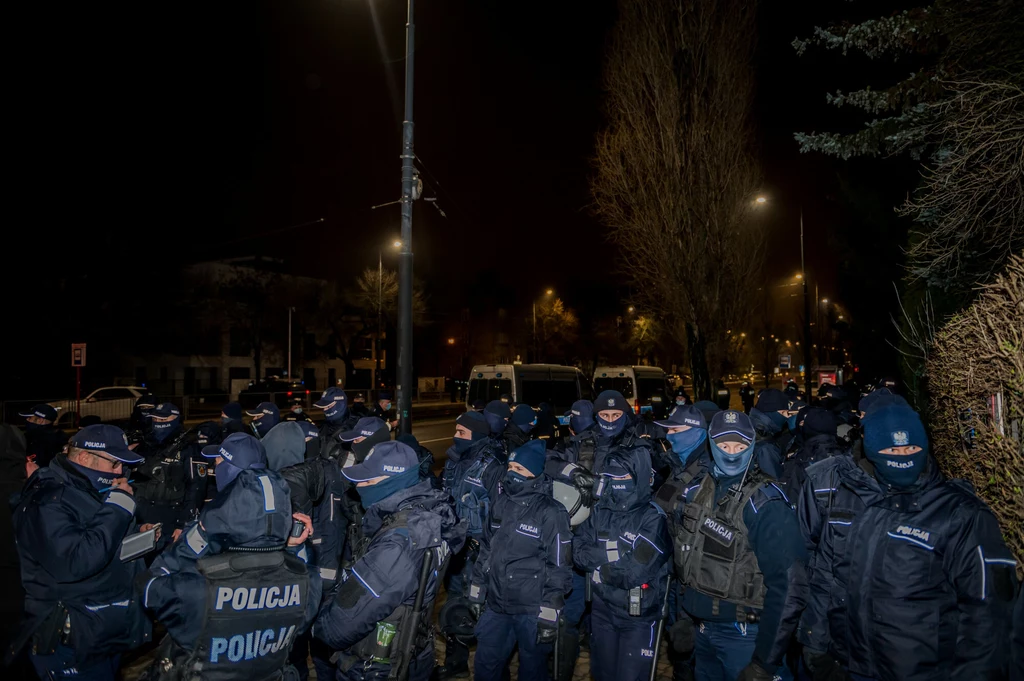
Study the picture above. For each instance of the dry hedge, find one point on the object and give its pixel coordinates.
(977, 354)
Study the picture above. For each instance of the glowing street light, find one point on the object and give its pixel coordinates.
(761, 200)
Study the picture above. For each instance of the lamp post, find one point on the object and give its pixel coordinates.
(380, 329)
(807, 312)
(405, 258)
(536, 347)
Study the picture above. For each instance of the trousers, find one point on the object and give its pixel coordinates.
(61, 665)
(496, 637)
(622, 647)
(723, 649)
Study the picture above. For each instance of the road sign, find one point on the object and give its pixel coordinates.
(78, 354)
(785, 361)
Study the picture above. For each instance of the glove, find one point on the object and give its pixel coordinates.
(824, 667)
(476, 609)
(755, 672)
(547, 631)
(682, 635)
(583, 481)
(476, 601)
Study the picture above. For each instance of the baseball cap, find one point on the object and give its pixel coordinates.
(164, 410)
(368, 426)
(241, 450)
(384, 395)
(684, 415)
(772, 399)
(330, 396)
(308, 429)
(731, 426)
(387, 459)
(147, 401)
(43, 411)
(107, 439)
(233, 410)
(264, 408)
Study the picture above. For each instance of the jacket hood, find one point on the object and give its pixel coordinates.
(818, 448)
(255, 511)
(763, 424)
(431, 516)
(638, 465)
(285, 445)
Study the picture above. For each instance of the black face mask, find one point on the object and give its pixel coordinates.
(313, 448)
(361, 449)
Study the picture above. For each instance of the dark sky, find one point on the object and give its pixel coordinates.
(150, 134)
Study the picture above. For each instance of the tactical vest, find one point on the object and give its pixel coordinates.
(162, 476)
(255, 607)
(382, 643)
(712, 551)
(472, 499)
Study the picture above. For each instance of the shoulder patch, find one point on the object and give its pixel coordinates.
(768, 491)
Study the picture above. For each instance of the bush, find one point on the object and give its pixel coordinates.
(979, 355)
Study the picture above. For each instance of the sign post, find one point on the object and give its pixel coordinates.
(78, 361)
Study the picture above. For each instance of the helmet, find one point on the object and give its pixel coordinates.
(456, 619)
(569, 496)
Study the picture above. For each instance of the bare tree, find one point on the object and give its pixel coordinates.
(675, 172)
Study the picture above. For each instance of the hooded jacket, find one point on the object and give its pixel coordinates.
(253, 513)
(69, 540)
(773, 443)
(386, 575)
(472, 478)
(909, 584)
(627, 546)
(525, 564)
(816, 448)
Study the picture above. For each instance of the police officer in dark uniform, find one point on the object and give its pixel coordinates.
(207, 433)
(43, 438)
(337, 419)
(359, 408)
(739, 556)
(231, 419)
(747, 394)
(411, 531)
(520, 426)
(722, 394)
(384, 411)
(69, 521)
(625, 548)
(681, 397)
(265, 416)
(472, 472)
(774, 419)
(498, 414)
(523, 572)
(911, 579)
(235, 590)
(170, 485)
(139, 419)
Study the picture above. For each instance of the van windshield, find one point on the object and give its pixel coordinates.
(623, 384)
(488, 389)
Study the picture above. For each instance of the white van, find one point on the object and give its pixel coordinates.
(645, 388)
(530, 384)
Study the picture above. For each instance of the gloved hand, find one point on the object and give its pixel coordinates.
(583, 481)
(682, 634)
(755, 672)
(476, 601)
(824, 667)
(476, 609)
(547, 631)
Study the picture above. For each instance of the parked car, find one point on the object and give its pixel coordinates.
(113, 403)
(273, 389)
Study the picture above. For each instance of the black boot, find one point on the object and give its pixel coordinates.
(456, 661)
(569, 650)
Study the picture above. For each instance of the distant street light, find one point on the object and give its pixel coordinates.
(451, 341)
(397, 243)
(536, 350)
(761, 199)
(631, 309)
(825, 300)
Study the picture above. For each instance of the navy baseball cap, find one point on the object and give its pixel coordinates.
(107, 439)
(499, 408)
(264, 408)
(684, 415)
(147, 401)
(731, 426)
(384, 395)
(772, 399)
(233, 410)
(365, 427)
(330, 396)
(164, 410)
(241, 450)
(308, 429)
(387, 459)
(43, 411)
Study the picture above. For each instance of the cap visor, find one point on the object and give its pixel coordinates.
(359, 473)
(211, 451)
(670, 424)
(255, 412)
(349, 435)
(126, 456)
(323, 404)
(26, 414)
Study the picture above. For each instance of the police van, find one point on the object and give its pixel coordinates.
(645, 388)
(530, 384)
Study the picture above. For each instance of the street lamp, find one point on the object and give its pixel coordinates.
(405, 259)
(761, 200)
(536, 350)
(630, 309)
(397, 243)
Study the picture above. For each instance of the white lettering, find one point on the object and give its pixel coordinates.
(272, 595)
(394, 469)
(913, 532)
(528, 528)
(223, 596)
(252, 644)
(217, 647)
(719, 529)
(236, 648)
(253, 603)
(294, 600)
(238, 602)
(264, 646)
(901, 465)
(263, 598)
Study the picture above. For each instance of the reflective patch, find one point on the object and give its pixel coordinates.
(119, 498)
(195, 540)
(269, 504)
(327, 573)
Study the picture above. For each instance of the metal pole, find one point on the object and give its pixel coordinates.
(535, 359)
(405, 258)
(375, 394)
(78, 396)
(807, 313)
(290, 343)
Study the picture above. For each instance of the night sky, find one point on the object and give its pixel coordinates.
(149, 135)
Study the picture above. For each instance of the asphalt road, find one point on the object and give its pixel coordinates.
(435, 435)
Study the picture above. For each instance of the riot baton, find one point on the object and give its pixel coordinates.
(588, 595)
(558, 644)
(407, 637)
(661, 626)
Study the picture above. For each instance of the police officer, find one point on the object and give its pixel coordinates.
(265, 416)
(411, 530)
(296, 412)
(337, 418)
(207, 433)
(231, 419)
(366, 433)
(139, 419)
(359, 409)
(498, 413)
(472, 472)
(774, 419)
(170, 485)
(722, 394)
(523, 572)
(43, 438)
(69, 521)
(625, 549)
(681, 397)
(818, 440)
(911, 579)
(425, 456)
(383, 410)
(235, 590)
(312, 436)
(739, 555)
(520, 426)
(747, 393)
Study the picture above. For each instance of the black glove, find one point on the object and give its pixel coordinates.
(824, 667)
(755, 672)
(547, 631)
(476, 609)
(583, 481)
(682, 635)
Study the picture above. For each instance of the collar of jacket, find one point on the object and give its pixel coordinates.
(539, 485)
(861, 476)
(61, 468)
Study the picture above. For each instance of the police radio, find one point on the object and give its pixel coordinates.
(636, 597)
(298, 527)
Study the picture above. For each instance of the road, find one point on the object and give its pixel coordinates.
(435, 435)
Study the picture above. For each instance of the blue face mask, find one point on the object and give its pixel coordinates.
(898, 471)
(385, 488)
(495, 421)
(263, 425)
(791, 422)
(224, 420)
(731, 465)
(164, 430)
(101, 480)
(462, 446)
(527, 427)
(611, 428)
(686, 442)
(515, 482)
(778, 419)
